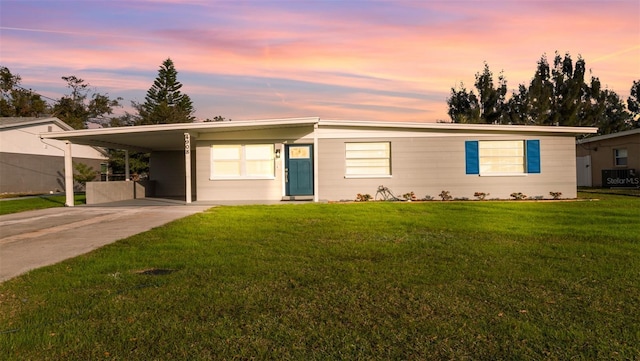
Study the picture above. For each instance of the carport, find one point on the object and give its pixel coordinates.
(171, 144)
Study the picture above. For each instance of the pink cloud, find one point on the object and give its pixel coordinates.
(438, 45)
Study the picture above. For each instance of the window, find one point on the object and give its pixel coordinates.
(248, 161)
(368, 159)
(502, 157)
(620, 156)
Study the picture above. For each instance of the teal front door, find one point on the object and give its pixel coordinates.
(298, 163)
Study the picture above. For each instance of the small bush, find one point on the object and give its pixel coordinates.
(410, 196)
(363, 197)
(555, 195)
(445, 195)
(481, 195)
(518, 196)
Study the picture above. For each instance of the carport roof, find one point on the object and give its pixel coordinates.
(147, 138)
(160, 137)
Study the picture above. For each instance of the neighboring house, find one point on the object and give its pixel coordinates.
(610, 160)
(314, 159)
(29, 164)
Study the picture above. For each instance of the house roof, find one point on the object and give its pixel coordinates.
(15, 123)
(18, 122)
(171, 136)
(609, 136)
(146, 138)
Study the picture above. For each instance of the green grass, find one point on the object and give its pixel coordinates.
(33, 203)
(435, 280)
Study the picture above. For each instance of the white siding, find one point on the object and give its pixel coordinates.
(425, 162)
(245, 189)
(26, 140)
(429, 165)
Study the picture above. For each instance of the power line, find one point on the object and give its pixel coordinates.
(34, 92)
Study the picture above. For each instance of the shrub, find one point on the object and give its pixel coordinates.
(555, 195)
(363, 197)
(410, 196)
(445, 195)
(518, 196)
(480, 195)
(84, 173)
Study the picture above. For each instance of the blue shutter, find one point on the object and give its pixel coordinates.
(533, 156)
(472, 157)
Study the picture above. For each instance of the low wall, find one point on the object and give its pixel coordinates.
(104, 192)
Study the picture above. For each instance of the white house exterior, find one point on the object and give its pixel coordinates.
(328, 160)
(29, 164)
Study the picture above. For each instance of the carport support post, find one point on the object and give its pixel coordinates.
(68, 175)
(316, 152)
(126, 165)
(187, 165)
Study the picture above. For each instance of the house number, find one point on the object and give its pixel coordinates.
(187, 143)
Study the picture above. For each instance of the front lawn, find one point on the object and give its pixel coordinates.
(436, 280)
(36, 202)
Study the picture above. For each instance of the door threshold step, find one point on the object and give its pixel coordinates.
(297, 198)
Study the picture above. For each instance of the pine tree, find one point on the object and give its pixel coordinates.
(558, 95)
(492, 99)
(540, 95)
(165, 103)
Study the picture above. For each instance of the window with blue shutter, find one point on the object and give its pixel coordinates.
(533, 156)
(472, 157)
(502, 157)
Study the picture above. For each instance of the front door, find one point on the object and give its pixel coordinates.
(298, 163)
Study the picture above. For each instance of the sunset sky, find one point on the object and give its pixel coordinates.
(391, 60)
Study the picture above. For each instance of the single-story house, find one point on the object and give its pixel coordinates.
(610, 160)
(328, 160)
(29, 164)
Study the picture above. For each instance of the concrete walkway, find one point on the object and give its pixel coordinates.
(33, 239)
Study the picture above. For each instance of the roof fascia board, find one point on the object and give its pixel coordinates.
(38, 121)
(185, 127)
(609, 136)
(459, 126)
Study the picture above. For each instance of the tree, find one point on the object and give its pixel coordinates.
(558, 95)
(539, 98)
(571, 93)
(218, 118)
(84, 173)
(492, 100)
(517, 108)
(487, 107)
(16, 101)
(82, 106)
(138, 162)
(633, 103)
(615, 117)
(164, 102)
(463, 106)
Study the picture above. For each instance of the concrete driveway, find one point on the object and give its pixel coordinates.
(33, 239)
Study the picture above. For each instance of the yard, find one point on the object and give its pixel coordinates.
(436, 280)
(29, 203)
